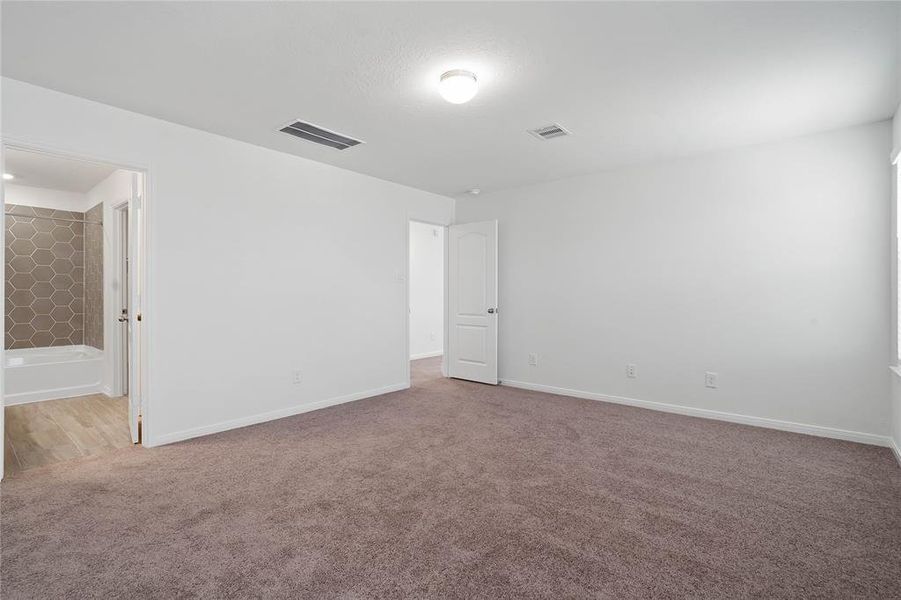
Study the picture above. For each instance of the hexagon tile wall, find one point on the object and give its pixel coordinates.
(93, 277)
(44, 278)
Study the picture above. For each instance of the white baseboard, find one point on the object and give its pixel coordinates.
(817, 430)
(427, 355)
(54, 394)
(896, 450)
(194, 432)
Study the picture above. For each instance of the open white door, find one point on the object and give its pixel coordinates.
(472, 302)
(126, 239)
(132, 262)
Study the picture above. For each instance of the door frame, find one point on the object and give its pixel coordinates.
(406, 278)
(144, 278)
(119, 384)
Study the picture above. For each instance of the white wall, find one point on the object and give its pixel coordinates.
(896, 299)
(426, 290)
(261, 263)
(45, 198)
(768, 265)
(895, 426)
(896, 134)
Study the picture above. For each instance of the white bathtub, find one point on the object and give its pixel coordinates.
(34, 374)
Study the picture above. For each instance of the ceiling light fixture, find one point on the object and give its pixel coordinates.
(8, 176)
(458, 86)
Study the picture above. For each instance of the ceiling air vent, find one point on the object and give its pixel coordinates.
(318, 135)
(549, 132)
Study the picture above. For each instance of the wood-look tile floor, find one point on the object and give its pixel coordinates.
(52, 431)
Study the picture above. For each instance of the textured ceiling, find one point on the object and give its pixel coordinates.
(634, 82)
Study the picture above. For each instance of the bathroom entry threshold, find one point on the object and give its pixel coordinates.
(44, 433)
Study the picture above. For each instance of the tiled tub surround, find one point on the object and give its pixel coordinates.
(93, 277)
(44, 278)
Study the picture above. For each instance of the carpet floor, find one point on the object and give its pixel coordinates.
(459, 490)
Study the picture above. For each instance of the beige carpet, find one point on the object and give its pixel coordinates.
(459, 490)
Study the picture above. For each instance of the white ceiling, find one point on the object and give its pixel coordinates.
(46, 171)
(634, 82)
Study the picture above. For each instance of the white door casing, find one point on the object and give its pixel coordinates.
(135, 217)
(472, 302)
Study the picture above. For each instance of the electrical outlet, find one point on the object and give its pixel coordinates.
(296, 377)
(632, 370)
(710, 379)
(533, 359)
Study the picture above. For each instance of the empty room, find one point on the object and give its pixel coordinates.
(450, 300)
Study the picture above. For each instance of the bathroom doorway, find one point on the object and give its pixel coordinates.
(72, 248)
(121, 265)
(426, 287)
(124, 311)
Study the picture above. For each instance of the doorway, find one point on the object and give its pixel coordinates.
(71, 353)
(120, 264)
(452, 288)
(426, 294)
(124, 309)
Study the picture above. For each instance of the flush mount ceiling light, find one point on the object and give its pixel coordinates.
(458, 86)
(8, 176)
